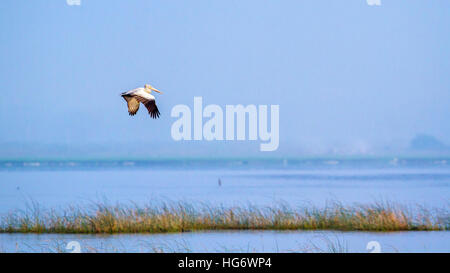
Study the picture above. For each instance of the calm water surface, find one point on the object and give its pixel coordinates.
(244, 241)
(55, 184)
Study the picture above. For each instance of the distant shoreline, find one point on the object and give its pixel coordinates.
(442, 156)
(223, 163)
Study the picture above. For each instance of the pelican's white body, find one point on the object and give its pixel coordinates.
(139, 92)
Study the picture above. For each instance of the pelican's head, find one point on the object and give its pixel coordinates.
(149, 89)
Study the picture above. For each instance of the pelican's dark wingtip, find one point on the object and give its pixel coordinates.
(155, 114)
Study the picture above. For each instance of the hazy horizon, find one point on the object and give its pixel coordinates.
(124, 150)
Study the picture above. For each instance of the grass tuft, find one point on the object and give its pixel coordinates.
(185, 217)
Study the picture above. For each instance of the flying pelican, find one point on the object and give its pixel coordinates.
(138, 95)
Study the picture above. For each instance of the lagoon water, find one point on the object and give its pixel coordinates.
(297, 182)
(236, 241)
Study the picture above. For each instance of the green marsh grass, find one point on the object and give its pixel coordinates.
(166, 217)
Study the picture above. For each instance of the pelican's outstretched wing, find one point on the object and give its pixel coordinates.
(152, 108)
(149, 102)
(133, 105)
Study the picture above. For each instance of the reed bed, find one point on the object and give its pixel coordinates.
(166, 217)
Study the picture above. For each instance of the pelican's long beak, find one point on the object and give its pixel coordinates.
(156, 90)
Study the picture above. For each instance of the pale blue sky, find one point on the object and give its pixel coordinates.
(344, 73)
